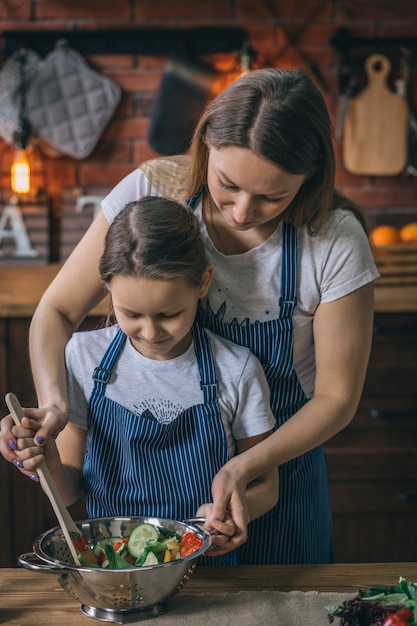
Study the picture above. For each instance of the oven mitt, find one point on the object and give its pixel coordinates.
(183, 92)
(10, 81)
(69, 104)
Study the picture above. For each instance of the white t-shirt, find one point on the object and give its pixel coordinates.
(333, 263)
(162, 389)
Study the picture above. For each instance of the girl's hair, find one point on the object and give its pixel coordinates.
(280, 116)
(154, 238)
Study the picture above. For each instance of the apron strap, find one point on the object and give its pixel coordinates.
(208, 381)
(102, 373)
(288, 299)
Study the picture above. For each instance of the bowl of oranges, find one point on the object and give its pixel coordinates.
(395, 253)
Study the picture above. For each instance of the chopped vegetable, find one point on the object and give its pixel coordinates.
(190, 542)
(146, 545)
(380, 606)
(86, 555)
(403, 617)
(140, 537)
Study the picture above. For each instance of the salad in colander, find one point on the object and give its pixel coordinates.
(146, 545)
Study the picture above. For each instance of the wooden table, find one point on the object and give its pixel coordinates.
(36, 599)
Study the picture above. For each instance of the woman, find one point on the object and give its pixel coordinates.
(293, 274)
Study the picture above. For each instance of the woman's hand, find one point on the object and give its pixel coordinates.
(229, 508)
(222, 531)
(48, 421)
(229, 497)
(24, 445)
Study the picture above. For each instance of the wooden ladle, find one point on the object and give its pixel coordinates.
(65, 520)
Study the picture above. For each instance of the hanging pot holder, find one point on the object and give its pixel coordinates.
(184, 90)
(10, 85)
(69, 104)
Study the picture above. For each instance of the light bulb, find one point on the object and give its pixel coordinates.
(20, 172)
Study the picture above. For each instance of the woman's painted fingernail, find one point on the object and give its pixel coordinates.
(34, 477)
(40, 440)
(18, 463)
(12, 445)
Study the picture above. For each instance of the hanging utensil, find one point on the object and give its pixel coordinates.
(375, 131)
(65, 520)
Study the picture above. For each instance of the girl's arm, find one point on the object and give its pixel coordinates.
(342, 338)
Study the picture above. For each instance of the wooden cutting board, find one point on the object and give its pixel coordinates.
(376, 125)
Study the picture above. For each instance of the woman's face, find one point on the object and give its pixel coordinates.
(249, 191)
(157, 315)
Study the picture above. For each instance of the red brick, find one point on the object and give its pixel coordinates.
(276, 9)
(60, 172)
(15, 10)
(76, 9)
(202, 9)
(111, 151)
(128, 128)
(111, 173)
(136, 79)
(378, 10)
(142, 151)
(106, 61)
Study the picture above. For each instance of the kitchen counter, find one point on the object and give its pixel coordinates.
(32, 598)
(21, 288)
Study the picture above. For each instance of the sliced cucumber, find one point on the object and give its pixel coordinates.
(99, 546)
(151, 559)
(140, 537)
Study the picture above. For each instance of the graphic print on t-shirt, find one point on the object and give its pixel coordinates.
(158, 409)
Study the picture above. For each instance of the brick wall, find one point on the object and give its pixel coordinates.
(283, 34)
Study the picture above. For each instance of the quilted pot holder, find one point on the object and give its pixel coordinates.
(10, 83)
(69, 104)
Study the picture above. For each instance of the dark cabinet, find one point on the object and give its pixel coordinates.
(24, 508)
(373, 462)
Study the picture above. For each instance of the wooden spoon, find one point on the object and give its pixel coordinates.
(65, 520)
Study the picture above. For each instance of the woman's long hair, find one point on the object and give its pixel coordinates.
(282, 117)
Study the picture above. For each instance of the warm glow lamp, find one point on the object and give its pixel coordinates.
(20, 172)
(20, 169)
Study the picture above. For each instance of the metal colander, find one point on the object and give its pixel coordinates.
(115, 595)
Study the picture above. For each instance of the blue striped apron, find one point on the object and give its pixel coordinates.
(299, 528)
(135, 466)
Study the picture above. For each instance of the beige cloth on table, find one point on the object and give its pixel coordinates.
(250, 608)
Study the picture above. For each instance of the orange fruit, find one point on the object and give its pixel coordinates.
(408, 233)
(384, 235)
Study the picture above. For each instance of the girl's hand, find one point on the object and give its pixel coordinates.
(222, 531)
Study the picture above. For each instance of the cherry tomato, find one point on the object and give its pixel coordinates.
(190, 542)
(80, 542)
(403, 617)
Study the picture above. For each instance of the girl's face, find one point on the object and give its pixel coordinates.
(250, 192)
(157, 315)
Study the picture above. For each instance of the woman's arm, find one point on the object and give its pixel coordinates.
(76, 289)
(342, 338)
(261, 495)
